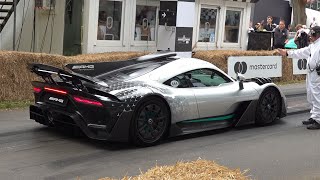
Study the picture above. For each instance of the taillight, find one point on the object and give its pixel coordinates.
(57, 91)
(36, 89)
(87, 101)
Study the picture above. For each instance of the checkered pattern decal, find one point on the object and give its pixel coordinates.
(166, 30)
(185, 23)
(181, 28)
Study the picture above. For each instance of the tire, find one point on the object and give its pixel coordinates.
(150, 122)
(269, 107)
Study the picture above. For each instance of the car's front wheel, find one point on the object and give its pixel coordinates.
(269, 107)
(150, 122)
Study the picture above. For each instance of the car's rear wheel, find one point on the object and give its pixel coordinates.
(150, 122)
(269, 107)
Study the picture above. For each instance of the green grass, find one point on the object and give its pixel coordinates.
(14, 104)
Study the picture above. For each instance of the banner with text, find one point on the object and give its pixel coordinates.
(255, 66)
(299, 66)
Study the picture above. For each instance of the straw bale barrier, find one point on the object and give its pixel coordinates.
(199, 169)
(15, 78)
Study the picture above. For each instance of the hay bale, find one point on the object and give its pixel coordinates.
(199, 169)
(15, 78)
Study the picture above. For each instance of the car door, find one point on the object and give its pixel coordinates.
(182, 100)
(216, 94)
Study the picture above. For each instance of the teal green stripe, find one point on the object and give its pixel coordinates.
(220, 118)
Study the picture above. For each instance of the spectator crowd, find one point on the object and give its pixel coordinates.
(281, 32)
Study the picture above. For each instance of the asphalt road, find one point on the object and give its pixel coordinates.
(284, 150)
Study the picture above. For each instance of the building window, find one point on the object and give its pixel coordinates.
(207, 27)
(314, 5)
(232, 26)
(145, 25)
(109, 21)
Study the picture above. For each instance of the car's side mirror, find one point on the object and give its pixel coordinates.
(240, 78)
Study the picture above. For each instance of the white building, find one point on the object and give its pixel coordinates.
(93, 26)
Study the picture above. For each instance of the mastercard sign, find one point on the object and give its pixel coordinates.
(255, 66)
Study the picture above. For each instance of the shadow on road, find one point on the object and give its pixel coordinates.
(75, 134)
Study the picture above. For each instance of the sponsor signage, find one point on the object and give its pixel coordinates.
(255, 66)
(299, 66)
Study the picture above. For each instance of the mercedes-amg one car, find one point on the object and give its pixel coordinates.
(146, 99)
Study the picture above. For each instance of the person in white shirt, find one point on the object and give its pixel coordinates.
(312, 54)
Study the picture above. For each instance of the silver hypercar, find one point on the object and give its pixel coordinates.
(146, 99)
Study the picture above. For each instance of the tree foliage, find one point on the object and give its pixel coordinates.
(299, 11)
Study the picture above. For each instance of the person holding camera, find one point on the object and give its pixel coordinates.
(312, 54)
(301, 38)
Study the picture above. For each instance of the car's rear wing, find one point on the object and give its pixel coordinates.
(97, 68)
(46, 72)
(76, 81)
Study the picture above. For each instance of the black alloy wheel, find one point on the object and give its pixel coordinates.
(269, 107)
(150, 122)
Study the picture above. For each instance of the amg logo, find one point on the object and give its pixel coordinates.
(83, 66)
(56, 100)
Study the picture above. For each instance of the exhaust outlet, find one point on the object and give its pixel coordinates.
(49, 118)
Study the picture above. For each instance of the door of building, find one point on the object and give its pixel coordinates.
(73, 27)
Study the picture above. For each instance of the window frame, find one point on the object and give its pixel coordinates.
(208, 6)
(111, 43)
(238, 44)
(224, 5)
(145, 43)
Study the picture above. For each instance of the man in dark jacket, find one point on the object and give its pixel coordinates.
(280, 35)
